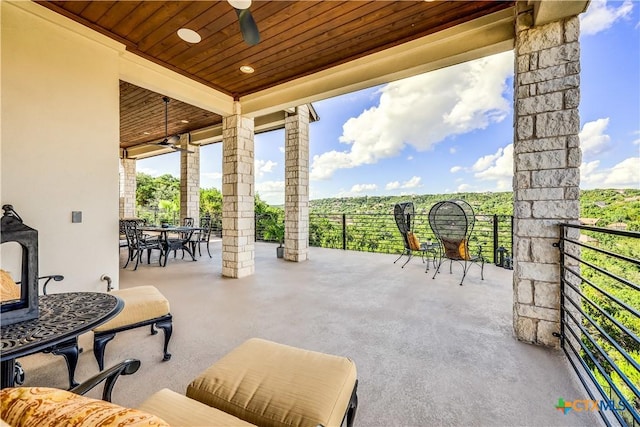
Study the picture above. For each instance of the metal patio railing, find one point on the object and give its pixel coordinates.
(600, 317)
(379, 233)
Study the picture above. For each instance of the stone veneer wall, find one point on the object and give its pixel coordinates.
(189, 180)
(547, 158)
(127, 188)
(238, 213)
(296, 193)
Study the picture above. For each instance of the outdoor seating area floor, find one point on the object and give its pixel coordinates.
(429, 352)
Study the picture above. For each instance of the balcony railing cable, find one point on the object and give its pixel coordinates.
(600, 316)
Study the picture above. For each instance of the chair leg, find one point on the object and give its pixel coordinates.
(167, 327)
(99, 343)
(409, 256)
(208, 251)
(129, 252)
(138, 259)
(69, 350)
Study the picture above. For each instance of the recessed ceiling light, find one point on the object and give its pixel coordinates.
(189, 35)
(247, 69)
(146, 133)
(184, 121)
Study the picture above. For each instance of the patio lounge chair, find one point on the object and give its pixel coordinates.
(452, 223)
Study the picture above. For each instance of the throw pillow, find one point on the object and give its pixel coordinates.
(414, 243)
(43, 406)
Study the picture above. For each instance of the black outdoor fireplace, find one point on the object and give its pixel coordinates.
(13, 230)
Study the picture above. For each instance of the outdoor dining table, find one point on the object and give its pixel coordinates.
(173, 244)
(62, 318)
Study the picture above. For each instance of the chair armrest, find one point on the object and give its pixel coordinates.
(110, 375)
(54, 277)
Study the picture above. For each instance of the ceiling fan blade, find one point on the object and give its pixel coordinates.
(248, 27)
(176, 148)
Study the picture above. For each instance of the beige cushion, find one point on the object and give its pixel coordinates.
(42, 406)
(140, 303)
(271, 384)
(179, 410)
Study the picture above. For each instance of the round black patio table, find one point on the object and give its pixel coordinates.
(62, 318)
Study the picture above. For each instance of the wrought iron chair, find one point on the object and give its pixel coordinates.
(404, 214)
(202, 236)
(452, 223)
(138, 243)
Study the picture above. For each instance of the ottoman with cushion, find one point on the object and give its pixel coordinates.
(270, 384)
(143, 306)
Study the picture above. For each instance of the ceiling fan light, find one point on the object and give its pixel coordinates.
(189, 36)
(240, 4)
(247, 69)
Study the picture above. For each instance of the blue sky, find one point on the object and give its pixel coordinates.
(451, 130)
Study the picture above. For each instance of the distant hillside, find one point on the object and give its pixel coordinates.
(605, 206)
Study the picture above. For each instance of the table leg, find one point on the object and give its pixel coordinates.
(7, 373)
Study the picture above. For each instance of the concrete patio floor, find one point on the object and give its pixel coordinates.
(428, 352)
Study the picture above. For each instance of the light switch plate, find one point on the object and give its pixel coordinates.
(76, 216)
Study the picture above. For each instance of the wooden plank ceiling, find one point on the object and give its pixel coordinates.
(298, 38)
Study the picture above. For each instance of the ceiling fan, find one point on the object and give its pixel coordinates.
(248, 26)
(169, 141)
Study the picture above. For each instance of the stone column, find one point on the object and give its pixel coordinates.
(547, 159)
(296, 190)
(238, 213)
(127, 188)
(189, 180)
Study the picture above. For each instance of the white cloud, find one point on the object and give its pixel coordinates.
(462, 188)
(593, 140)
(394, 185)
(421, 111)
(453, 150)
(414, 182)
(409, 158)
(264, 166)
(600, 16)
(456, 169)
(625, 174)
(281, 148)
(496, 167)
(271, 192)
(359, 188)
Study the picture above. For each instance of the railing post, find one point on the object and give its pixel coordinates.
(344, 232)
(495, 239)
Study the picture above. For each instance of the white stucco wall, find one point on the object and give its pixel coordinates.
(59, 142)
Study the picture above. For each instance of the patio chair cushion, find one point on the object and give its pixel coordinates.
(270, 384)
(42, 406)
(141, 303)
(455, 249)
(414, 243)
(179, 410)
